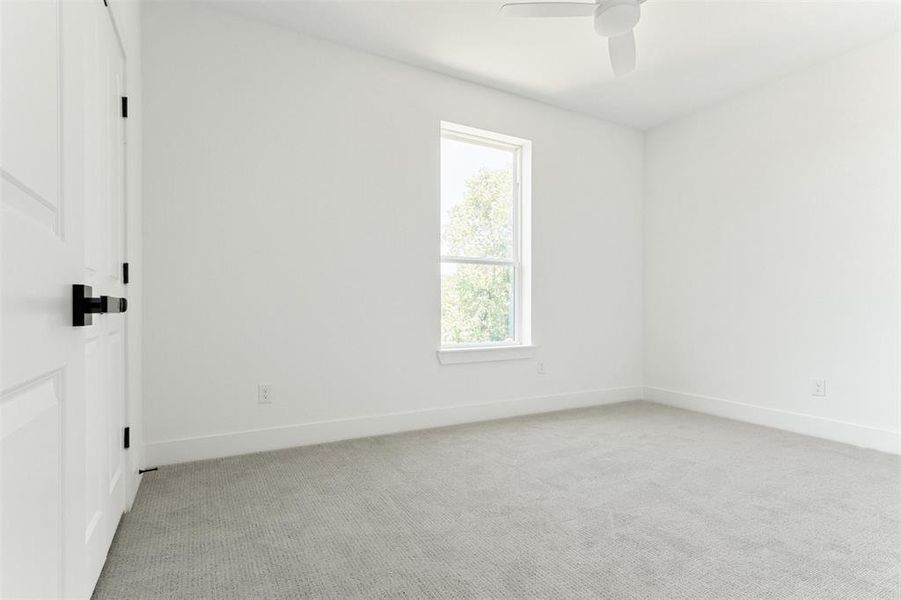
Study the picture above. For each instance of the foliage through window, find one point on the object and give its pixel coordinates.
(482, 271)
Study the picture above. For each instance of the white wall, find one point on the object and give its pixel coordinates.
(291, 237)
(771, 228)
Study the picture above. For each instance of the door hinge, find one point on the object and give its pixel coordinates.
(127, 438)
(124, 107)
(124, 272)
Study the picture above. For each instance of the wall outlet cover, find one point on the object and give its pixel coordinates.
(264, 393)
(818, 388)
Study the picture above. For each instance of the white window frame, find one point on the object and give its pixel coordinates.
(521, 347)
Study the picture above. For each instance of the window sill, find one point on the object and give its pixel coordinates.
(456, 356)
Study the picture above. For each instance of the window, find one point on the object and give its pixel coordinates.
(484, 244)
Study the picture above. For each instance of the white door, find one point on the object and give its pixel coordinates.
(61, 387)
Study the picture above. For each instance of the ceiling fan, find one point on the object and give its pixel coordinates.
(613, 19)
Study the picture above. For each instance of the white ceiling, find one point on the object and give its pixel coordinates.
(690, 54)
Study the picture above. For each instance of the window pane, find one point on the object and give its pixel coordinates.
(476, 304)
(476, 200)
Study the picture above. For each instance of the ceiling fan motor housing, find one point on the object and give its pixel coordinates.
(616, 17)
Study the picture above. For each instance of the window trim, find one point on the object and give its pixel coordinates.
(475, 354)
(521, 346)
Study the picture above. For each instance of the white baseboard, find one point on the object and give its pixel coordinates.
(274, 438)
(885, 440)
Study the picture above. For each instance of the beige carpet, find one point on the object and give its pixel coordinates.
(632, 500)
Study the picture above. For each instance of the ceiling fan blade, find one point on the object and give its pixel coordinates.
(548, 9)
(622, 53)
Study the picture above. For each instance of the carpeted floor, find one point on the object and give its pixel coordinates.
(632, 500)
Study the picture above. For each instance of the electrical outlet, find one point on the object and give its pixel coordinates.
(818, 388)
(540, 368)
(264, 393)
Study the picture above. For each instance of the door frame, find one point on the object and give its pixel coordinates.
(126, 22)
(132, 479)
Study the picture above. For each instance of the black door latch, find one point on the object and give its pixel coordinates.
(84, 306)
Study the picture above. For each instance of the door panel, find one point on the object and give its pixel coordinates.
(94, 426)
(31, 93)
(116, 418)
(31, 516)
